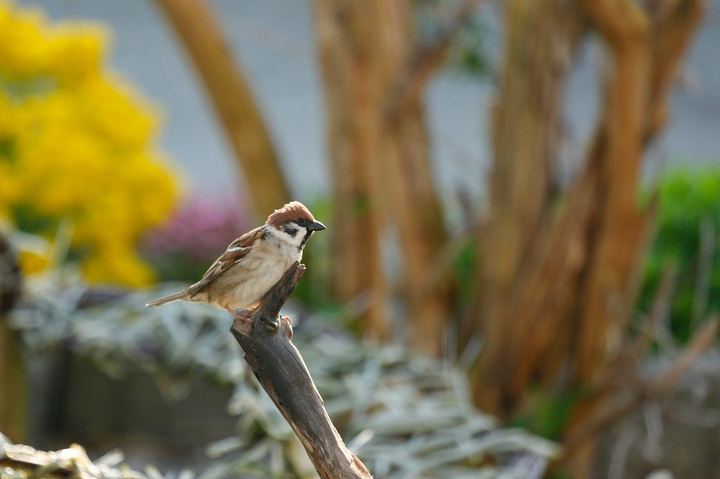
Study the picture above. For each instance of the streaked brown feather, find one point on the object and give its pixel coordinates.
(234, 253)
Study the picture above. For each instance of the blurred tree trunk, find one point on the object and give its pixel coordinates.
(524, 277)
(559, 269)
(379, 157)
(353, 97)
(13, 386)
(13, 378)
(233, 100)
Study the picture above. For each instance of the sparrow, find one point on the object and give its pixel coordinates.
(254, 262)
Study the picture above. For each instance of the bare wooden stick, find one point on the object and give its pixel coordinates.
(277, 364)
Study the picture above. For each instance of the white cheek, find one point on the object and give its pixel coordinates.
(297, 240)
(300, 236)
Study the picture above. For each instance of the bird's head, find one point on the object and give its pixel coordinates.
(294, 223)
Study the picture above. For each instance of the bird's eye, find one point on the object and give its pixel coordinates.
(301, 221)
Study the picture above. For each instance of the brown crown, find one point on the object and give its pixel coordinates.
(291, 211)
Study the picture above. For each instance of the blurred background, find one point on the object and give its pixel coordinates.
(520, 276)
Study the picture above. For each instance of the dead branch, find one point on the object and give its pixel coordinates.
(17, 460)
(266, 339)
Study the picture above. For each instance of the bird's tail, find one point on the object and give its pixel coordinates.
(167, 299)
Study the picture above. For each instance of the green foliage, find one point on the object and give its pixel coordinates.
(29, 219)
(689, 202)
(465, 271)
(547, 413)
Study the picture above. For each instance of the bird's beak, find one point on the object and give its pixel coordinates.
(316, 226)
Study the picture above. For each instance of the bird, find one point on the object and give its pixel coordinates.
(253, 263)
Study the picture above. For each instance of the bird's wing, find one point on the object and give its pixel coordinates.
(234, 253)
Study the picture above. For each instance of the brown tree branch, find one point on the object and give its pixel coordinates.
(233, 101)
(266, 339)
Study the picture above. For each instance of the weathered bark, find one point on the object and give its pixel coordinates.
(266, 339)
(233, 101)
(13, 380)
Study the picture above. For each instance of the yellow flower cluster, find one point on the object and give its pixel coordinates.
(75, 144)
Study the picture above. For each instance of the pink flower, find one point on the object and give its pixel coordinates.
(198, 233)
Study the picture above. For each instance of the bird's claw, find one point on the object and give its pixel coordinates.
(237, 312)
(244, 314)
